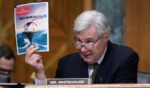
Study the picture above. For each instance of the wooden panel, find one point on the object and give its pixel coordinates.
(88, 4)
(137, 32)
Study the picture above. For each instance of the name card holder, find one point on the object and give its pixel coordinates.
(68, 81)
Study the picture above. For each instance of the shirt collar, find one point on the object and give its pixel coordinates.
(102, 57)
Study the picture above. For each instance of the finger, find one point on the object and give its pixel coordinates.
(36, 57)
(32, 58)
(31, 51)
(30, 47)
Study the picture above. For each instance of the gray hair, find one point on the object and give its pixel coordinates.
(89, 18)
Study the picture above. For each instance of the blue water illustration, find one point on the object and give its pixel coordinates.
(38, 38)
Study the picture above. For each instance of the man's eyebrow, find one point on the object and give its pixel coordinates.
(89, 38)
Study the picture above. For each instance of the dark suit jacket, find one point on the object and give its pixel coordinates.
(119, 65)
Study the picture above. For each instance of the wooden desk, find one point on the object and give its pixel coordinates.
(92, 86)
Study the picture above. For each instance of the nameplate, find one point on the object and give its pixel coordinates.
(68, 81)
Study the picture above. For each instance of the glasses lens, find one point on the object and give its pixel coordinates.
(88, 44)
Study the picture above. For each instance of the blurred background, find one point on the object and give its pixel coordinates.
(129, 20)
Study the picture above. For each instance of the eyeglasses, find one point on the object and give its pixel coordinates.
(88, 44)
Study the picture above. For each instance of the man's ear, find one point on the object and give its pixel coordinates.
(106, 35)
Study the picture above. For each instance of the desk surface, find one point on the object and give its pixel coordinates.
(92, 86)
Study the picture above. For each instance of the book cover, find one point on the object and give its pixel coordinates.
(31, 26)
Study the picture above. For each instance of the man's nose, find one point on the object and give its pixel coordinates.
(83, 48)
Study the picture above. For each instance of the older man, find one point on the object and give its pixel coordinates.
(114, 63)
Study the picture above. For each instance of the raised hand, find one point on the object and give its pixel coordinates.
(35, 61)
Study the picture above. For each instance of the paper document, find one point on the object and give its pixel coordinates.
(31, 26)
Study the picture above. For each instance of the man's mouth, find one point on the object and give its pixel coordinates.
(87, 55)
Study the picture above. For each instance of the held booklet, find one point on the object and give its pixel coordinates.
(31, 26)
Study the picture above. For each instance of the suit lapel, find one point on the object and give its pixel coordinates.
(103, 69)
